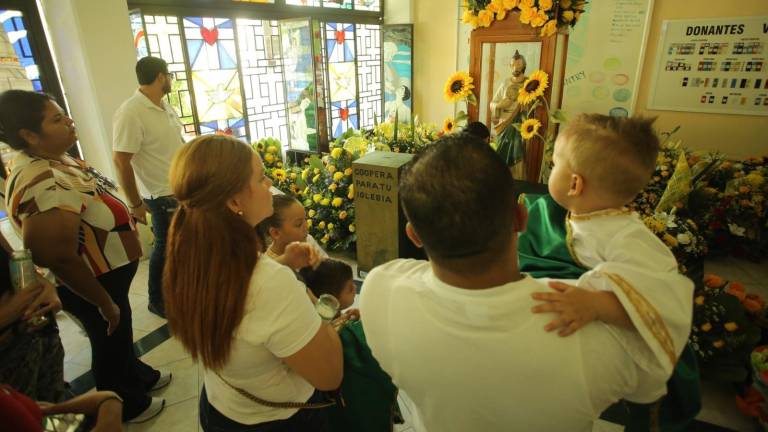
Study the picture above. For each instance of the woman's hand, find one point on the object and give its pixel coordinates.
(298, 255)
(47, 301)
(111, 314)
(13, 305)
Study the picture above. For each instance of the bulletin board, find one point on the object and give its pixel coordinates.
(712, 65)
(606, 49)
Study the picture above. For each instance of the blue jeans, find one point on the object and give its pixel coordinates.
(314, 420)
(162, 210)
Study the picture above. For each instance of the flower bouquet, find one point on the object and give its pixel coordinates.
(726, 327)
(547, 15)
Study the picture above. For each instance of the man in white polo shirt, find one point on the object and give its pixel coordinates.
(457, 334)
(147, 133)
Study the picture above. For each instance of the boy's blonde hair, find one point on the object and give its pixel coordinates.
(615, 154)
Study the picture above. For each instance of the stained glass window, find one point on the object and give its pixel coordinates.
(303, 2)
(298, 80)
(299, 84)
(370, 5)
(164, 41)
(215, 76)
(13, 24)
(261, 68)
(139, 37)
(342, 76)
(369, 73)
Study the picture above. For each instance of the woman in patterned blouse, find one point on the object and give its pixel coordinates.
(69, 217)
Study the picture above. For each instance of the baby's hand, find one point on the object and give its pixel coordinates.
(576, 307)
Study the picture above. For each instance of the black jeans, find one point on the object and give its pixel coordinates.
(113, 361)
(162, 210)
(310, 420)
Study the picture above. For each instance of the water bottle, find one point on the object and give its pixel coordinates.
(24, 275)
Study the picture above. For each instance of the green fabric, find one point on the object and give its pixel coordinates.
(543, 252)
(510, 143)
(369, 396)
(542, 248)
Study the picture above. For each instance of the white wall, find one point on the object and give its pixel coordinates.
(93, 46)
(398, 11)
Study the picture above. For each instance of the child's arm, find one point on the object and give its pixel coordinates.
(577, 307)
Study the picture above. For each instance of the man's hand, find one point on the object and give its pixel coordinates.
(140, 213)
(575, 307)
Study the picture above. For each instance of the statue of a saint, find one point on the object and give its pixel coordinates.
(505, 110)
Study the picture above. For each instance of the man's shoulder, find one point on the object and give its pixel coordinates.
(130, 105)
(399, 269)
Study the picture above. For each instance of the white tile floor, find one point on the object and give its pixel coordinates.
(182, 395)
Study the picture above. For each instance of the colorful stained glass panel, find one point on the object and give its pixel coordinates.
(343, 117)
(296, 37)
(341, 81)
(337, 4)
(369, 5)
(217, 94)
(340, 42)
(398, 71)
(139, 37)
(164, 41)
(210, 43)
(234, 127)
(303, 2)
(369, 73)
(260, 66)
(13, 24)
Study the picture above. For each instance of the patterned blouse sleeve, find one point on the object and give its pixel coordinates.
(37, 191)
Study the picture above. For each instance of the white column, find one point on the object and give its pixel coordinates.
(92, 43)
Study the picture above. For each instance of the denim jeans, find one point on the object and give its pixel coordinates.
(314, 420)
(162, 210)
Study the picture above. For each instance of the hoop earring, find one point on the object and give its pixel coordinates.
(240, 213)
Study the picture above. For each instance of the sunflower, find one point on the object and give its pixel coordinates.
(545, 5)
(533, 87)
(448, 125)
(278, 174)
(458, 86)
(529, 128)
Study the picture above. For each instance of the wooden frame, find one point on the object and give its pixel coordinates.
(511, 30)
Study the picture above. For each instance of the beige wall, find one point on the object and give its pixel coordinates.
(434, 52)
(735, 135)
(435, 27)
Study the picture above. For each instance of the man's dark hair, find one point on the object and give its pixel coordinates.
(148, 68)
(21, 109)
(478, 129)
(458, 194)
(328, 278)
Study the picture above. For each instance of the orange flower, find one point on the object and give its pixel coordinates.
(706, 327)
(718, 344)
(753, 303)
(731, 326)
(743, 189)
(713, 281)
(736, 286)
(699, 300)
(529, 14)
(736, 293)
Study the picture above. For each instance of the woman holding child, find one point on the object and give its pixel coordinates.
(244, 316)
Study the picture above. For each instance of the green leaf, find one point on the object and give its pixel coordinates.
(315, 162)
(471, 99)
(558, 116)
(460, 116)
(517, 125)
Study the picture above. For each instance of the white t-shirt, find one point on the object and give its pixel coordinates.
(153, 135)
(279, 320)
(480, 360)
(625, 257)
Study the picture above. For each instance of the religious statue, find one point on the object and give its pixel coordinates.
(505, 111)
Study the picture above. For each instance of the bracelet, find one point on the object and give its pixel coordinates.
(115, 397)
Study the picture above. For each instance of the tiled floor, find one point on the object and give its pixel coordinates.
(182, 395)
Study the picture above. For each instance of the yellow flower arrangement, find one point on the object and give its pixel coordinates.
(329, 227)
(332, 187)
(484, 18)
(351, 193)
(279, 174)
(352, 228)
(331, 169)
(449, 125)
(731, 326)
(533, 87)
(317, 198)
(458, 86)
(311, 213)
(545, 5)
(549, 28)
(348, 172)
(337, 176)
(528, 14)
(321, 225)
(309, 223)
(325, 202)
(337, 152)
(316, 178)
(526, 4)
(337, 202)
(342, 215)
(539, 20)
(529, 128)
(268, 158)
(304, 174)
